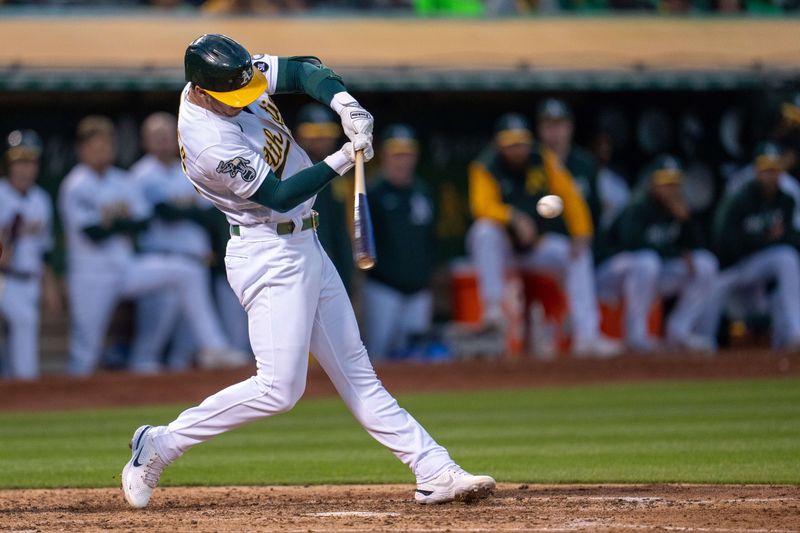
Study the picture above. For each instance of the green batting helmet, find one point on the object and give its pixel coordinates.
(224, 69)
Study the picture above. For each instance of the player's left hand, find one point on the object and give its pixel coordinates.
(357, 122)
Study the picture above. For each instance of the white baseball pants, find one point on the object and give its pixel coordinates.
(19, 307)
(491, 251)
(232, 314)
(638, 277)
(391, 317)
(296, 302)
(780, 264)
(94, 295)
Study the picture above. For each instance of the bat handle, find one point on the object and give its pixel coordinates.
(360, 182)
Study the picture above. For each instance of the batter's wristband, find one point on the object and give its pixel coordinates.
(339, 162)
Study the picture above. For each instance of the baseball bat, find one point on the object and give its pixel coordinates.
(363, 237)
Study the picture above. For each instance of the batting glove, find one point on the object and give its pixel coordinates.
(357, 122)
(343, 160)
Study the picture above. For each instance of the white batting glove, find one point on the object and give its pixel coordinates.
(343, 160)
(357, 122)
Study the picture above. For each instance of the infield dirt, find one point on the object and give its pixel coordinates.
(708, 508)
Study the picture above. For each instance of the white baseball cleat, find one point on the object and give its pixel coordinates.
(454, 484)
(140, 476)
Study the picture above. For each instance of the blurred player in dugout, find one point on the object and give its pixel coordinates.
(555, 126)
(178, 228)
(103, 212)
(26, 234)
(318, 132)
(397, 300)
(505, 183)
(655, 248)
(757, 244)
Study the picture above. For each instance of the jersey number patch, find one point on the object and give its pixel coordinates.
(238, 165)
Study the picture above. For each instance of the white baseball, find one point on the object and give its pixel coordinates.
(550, 206)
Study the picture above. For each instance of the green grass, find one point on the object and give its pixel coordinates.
(710, 432)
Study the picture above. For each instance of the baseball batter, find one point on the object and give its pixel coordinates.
(240, 155)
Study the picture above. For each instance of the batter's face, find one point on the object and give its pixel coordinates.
(516, 155)
(318, 148)
(398, 168)
(556, 134)
(203, 99)
(22, 174)
(98, 152)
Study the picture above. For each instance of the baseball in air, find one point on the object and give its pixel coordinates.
(550, 206)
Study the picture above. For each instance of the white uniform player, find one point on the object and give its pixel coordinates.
(26, 233)
(172, 232)
(101, 209)
(240, 155)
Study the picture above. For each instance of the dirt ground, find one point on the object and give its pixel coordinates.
(735, 509)
(562, 508)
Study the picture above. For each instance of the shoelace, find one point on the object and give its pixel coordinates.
(458, 471)
(152, 471)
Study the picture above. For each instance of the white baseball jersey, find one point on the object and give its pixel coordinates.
(227, 158)
(25, 227)
(87, 199)
(162, 183)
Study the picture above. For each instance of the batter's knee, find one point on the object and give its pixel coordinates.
(279, 396)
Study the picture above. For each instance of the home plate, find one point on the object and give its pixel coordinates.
(362, 514)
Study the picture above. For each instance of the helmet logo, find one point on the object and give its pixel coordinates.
(247, 75)
(238, 165)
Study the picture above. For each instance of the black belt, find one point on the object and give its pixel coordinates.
(286, 228)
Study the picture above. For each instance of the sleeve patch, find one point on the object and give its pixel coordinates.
(237, 166)
(262, 66)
